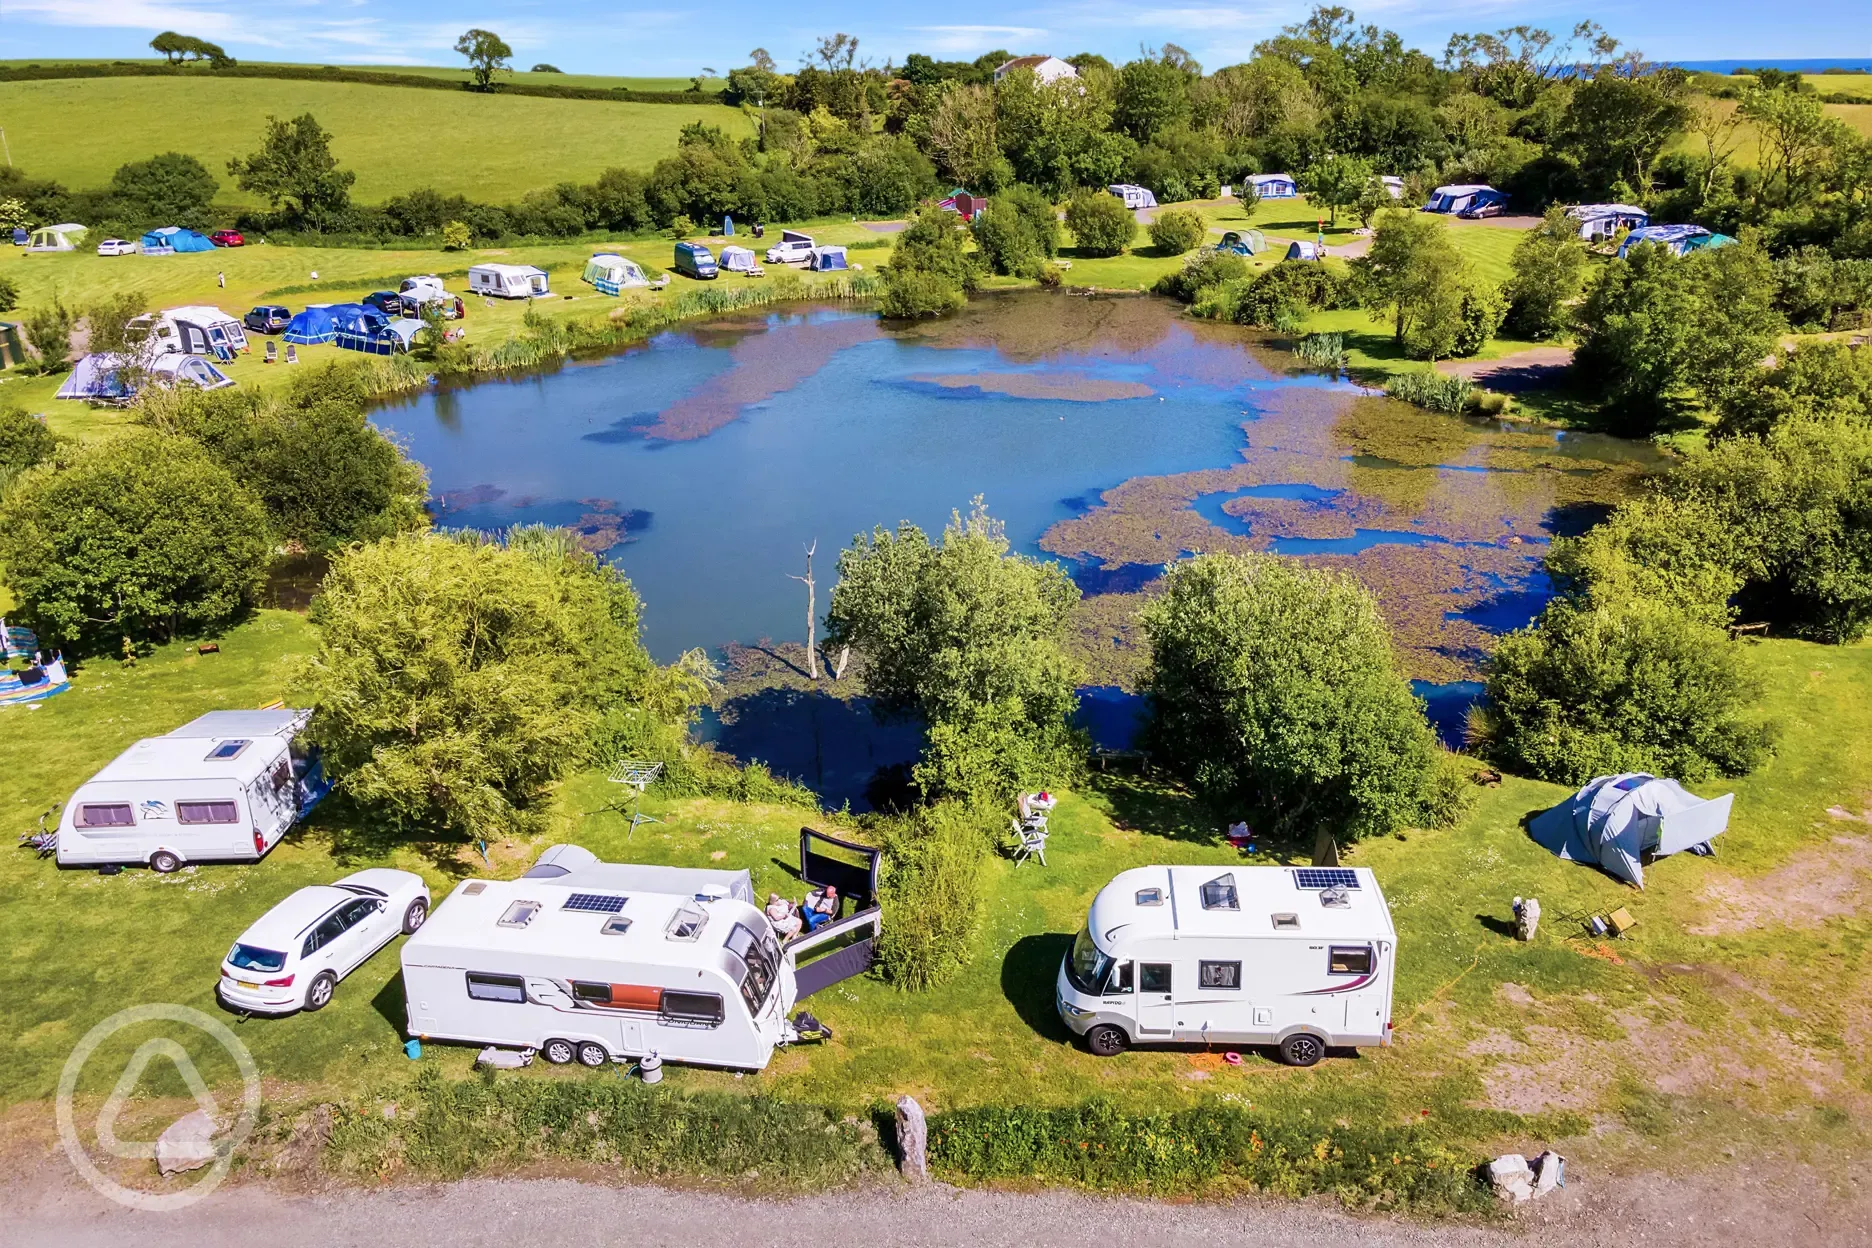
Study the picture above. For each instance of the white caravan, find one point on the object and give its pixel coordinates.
(593, 962)
(508, 281)
(1301, 958)
(195, 330)
(223, 787)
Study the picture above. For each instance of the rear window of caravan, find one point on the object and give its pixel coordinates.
(207, 812)
(695, 1008)
(106, 815)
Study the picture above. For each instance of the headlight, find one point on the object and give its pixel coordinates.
(1074, 1011)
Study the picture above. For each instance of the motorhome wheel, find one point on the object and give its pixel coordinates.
(1302, 1050)
(1106, 1040)
(558, 1052)
(319, 995)
(162, 862)
(414, 916)
(593, 1055)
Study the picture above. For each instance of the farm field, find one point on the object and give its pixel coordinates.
(448, 73)
(397, 139)
(1701, 1029)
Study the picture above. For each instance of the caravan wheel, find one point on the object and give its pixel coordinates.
(558, 1052)
(1106, 1040)
(593, 1055)
(1302, 1049)
(162, 862)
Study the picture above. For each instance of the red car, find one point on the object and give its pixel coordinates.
(227, 238)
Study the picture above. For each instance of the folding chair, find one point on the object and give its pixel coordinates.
(272, 352)
(1030, 841)
(292, 354)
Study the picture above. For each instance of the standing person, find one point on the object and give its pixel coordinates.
(221, 280)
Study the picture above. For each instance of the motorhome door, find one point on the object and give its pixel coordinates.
(1156, 1008)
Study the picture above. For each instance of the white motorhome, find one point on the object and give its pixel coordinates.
(1301, 958)
(508, 281)
(593, 962)
(223, 787)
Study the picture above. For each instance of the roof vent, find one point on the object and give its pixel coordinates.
(616, 925)
(1286, 922)
(225, 750)
(1150, 896)
(475, 889)
(1335, 898)
(519, 914)
(687, 923)
(1219, 894)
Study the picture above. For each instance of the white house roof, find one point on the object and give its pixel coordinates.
(188, 758)
(1260, 894)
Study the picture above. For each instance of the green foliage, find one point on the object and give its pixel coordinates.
(1654, 548)
(457, 678)
(1617, 123)
(1273, 688)
(107, 321)
(9, 294)
(909, 295)
(935, 892)
(445, 1129)
(930, 270)
(1337, 182)
(1100, 223)
(171, 189)
(1006, 239)
(48, 329)
(1201, 269)
(1177, 230)
(456, 236)
(1280, 298)
(1817, 292)
(487, 55)
(1040, 213)
(1482, 310)
(1440, 392)
(1621, 684)
(1096, 1144)
(1549, 270)
(1819, 379)
(1414, 275)
(25, 442)
(295, 168)
(1152, 97)
(970, 639)
(137, 537)
(177, 48)
(1321, 350)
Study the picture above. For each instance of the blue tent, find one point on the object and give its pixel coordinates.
(377, 337)
(1680, 239)
(1273, 185)
(824, 259)
(314, 325)
(171, 239)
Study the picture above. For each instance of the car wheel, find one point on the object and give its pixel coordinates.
(1106, 1040)
(1302, 1049)
(162, 862)
(593, 1055)
(319, 994)
(558, 1052)
(414, 916)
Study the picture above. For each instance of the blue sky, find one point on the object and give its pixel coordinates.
(654, 38)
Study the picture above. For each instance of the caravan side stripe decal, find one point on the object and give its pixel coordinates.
(1356, 984)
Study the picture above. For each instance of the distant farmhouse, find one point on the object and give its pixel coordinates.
(1049, 69)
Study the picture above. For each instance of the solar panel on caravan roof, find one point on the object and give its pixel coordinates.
(597, 903)
(1325, 877)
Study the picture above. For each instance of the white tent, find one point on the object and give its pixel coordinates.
(56, 237)
(1616, 820)
(739, 260)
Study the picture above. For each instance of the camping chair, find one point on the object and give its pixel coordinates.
(292, 354)
(813, 919)
(272, 352)
(1030, 840)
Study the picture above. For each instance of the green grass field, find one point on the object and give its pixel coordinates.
(1702, 1026)
(397, 139)
(449, 73)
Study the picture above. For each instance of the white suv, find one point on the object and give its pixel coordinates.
(294, 956)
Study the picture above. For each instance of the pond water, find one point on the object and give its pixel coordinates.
(1113, 433)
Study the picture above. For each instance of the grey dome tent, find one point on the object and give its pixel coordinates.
(1616, 820)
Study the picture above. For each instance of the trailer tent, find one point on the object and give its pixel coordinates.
(171, 239)
(826, 259)
(1616, 820)
(610, 273)
(1597, 221)
(508, 281)
(1273, 185)
(1680, 240)
(1132, 195)
(56, 238)
(1461, 197)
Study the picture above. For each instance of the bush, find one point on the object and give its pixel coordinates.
(25, 442)
(1006, 240)
(1039, 212)
(1594, 689)
(1273, 688)
(1100, 223)
(1481, 312)
(1429, 388)
(1177, 230)
(909, 295)
(1322, 350)
(930, 270)
(1280, 298)
(48, 330)
(1820, 379)
(9, 294)
(139, 537)
(935, 892)
(456, 236)
(1549, 268)
(1204, 268)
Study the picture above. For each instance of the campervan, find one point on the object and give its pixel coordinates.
(1300, 958)
(792, 248)
(694, 260)
(508, 281)
(589, 961)
(223, 787)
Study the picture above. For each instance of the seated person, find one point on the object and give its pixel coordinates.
(785, 919)
(822, 907)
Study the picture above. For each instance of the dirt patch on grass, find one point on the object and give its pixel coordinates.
(1817, 884)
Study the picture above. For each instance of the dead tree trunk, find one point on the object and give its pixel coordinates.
(812, 614)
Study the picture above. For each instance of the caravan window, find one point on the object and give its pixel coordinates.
(1349, 960)
(207, 812)
(1218, 974)
(760, 965)
(1120, 978)
(508, 988)
(694, 1009)
(113, 815)
(1154, 976)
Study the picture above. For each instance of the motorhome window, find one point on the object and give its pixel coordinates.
(1349, 960)
(207, 812)
(1150, 897)
(225, 750)
(1218, 975)
(597, 994)
(249, 958)
(519, 914)
(114, 815)
(1219, 894)
(1120, 978)
(1087, 966)
(687, 923)
(760, 957)
(508, 988)
(692, 1008)
(1154, 976)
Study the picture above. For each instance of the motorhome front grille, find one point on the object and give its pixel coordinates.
(595, 903)
(1325, 877)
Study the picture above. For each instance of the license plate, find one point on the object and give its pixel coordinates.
(246, 983)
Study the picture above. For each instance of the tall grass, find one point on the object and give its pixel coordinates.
(1431, 389)
(1322, 351)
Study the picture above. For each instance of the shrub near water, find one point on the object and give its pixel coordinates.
(1100, 223)
(934, 891)
(1178, 230)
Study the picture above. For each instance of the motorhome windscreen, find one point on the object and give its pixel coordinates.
(760, 965)
(1086, 967)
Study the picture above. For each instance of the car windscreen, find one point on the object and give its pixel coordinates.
(250, 958)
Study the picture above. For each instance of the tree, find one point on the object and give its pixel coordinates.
(107, 323)
(1273, 690)
(930, 270)
(1617, 123)
(1152, 97)
(964, 140)
(1336, 182)
(1821, 379)
(457, 677)
(25, 442)
(137, 537)
(171, 189)
(1100, 223)
(487, 55)
(1548, 270)
(760, 60)
(970, 639)
(1177, 230)
(1415, 275)
(837, 52)
(1005, 239)
(48, 329)
(171, 46)
(1796, 134)
(9, 294)
(295, 166)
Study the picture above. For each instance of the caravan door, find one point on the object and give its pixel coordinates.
(1156, 1001)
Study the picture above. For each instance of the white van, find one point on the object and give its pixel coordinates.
(508, 281)
(793, 248)
(223, 787)
(1301, 958)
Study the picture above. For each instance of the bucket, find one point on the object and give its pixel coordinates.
(412, 1049)
(652, 1068)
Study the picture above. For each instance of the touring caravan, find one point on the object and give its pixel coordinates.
(508, 281)
(193, 330)
(1460, 198)
(1602, 221)
(589, 961)
(222, 787)
(1273, 185)
(1300, 958)
(1133, 196)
